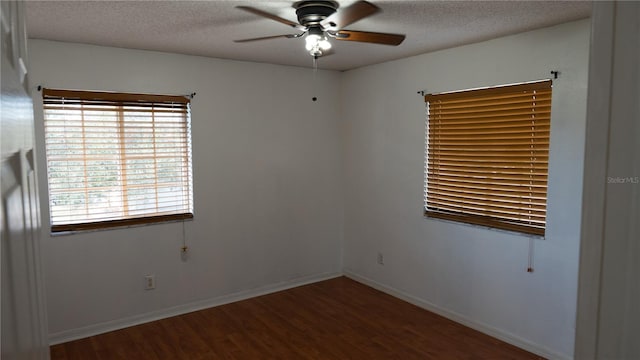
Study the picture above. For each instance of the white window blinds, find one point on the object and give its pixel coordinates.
(487, 156)
(117, 159)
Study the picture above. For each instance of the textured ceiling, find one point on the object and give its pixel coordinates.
(208, 28)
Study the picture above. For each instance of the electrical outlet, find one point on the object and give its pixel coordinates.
(149, 282)
(380, 259)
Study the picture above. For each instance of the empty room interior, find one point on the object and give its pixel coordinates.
(320, 179)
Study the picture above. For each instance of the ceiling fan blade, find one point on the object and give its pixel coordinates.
(349, 15)
(271, 16)
(370, 37)
(287, 36)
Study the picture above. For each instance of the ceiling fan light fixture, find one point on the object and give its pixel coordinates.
(316, 44)
(324, 44)
(313, 41)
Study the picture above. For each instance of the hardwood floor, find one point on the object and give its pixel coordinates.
(333, 319)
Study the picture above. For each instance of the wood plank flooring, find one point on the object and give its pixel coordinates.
(333, 319)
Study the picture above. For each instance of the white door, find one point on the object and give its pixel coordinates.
(24, 330)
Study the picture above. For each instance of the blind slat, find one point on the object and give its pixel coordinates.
(495, 115)
(483, 175)
(487, 210)
(507, 207)
(530, 109)
(485, 188)
(507, 197)
(444, 178)
(486, 118)
(522, 101)
(496, 125)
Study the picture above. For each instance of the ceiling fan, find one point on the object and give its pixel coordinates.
(320, 20)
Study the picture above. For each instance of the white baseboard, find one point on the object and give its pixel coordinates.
(483, 328)
(91, 330)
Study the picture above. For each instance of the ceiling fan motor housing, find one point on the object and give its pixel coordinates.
(311, 12)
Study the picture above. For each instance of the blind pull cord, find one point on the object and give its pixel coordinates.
(184, 250)
(530, 255)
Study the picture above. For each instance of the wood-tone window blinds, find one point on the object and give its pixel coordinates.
(487, 154)
(117, 159)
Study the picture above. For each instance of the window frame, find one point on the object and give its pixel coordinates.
(472, 216)
(120, 103)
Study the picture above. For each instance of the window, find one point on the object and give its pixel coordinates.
(117, 159)
(487, 154)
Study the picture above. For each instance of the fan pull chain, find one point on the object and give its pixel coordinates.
(315, 71)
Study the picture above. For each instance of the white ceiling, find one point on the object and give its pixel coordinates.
(208, 28)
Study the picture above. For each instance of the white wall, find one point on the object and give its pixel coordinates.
(267, 188)
(475, 275)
